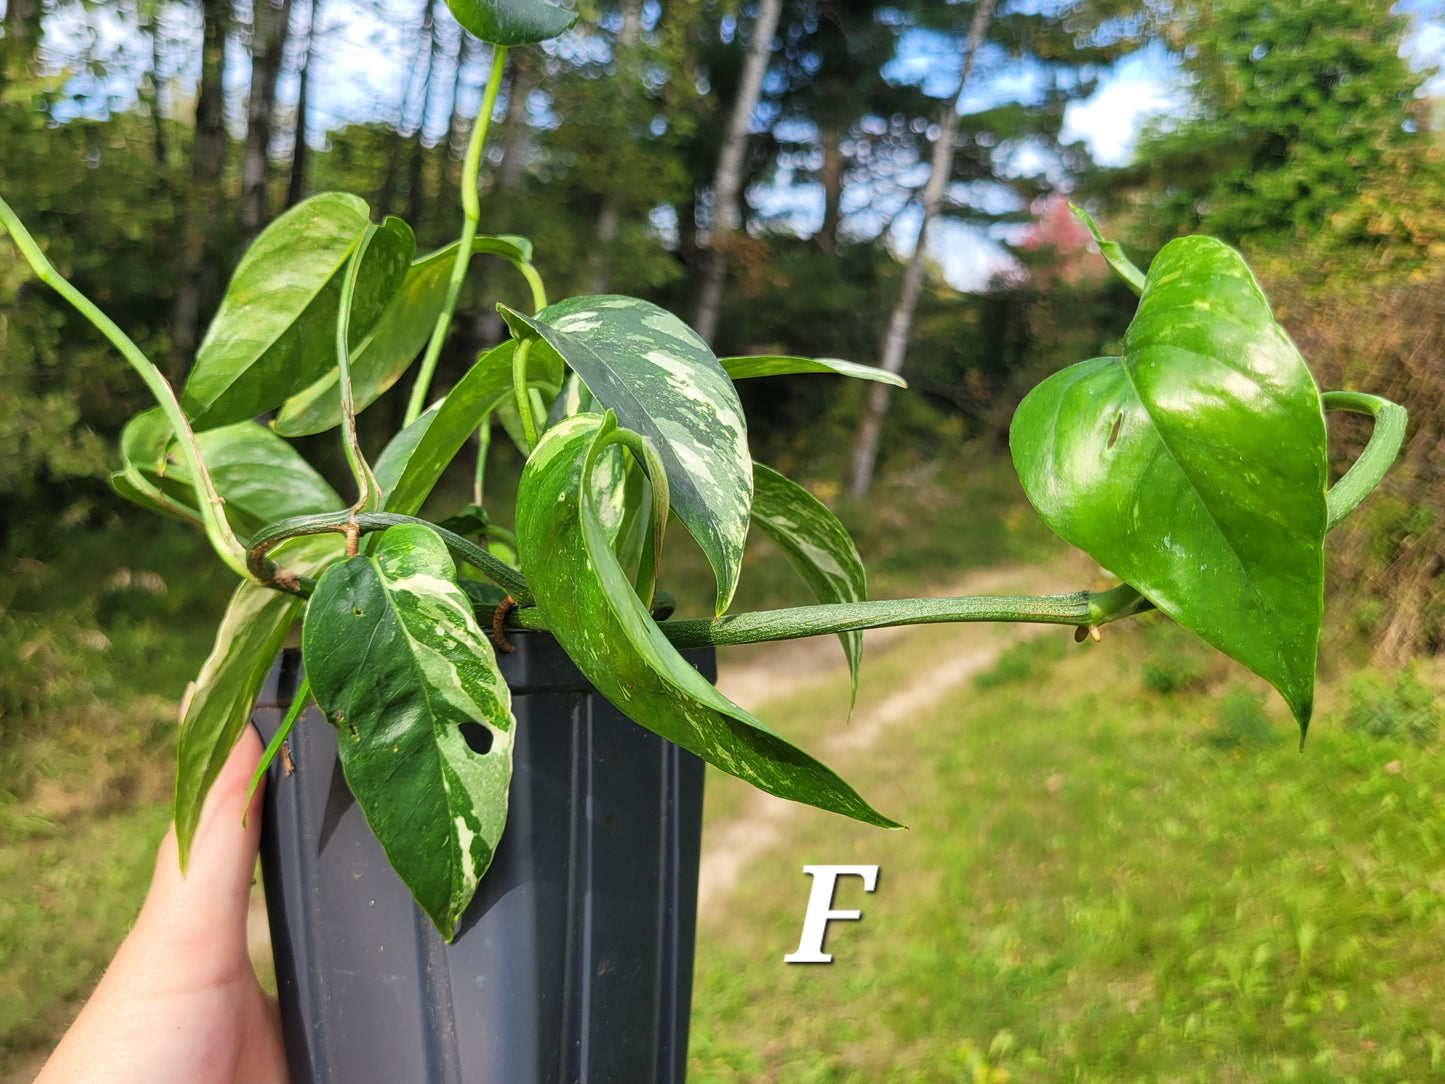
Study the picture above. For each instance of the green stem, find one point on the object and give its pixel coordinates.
(368, 491)
(222, 539)
(789, 624)
(471, 212)
(484, 444)
(534, 283)
(1379, 454)
(522, 396)
(366, 522)
(298, 705)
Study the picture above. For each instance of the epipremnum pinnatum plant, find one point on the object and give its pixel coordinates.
(1193, 466)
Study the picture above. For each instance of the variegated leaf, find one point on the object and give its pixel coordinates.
(815, 544)
(424, 723)
(750, 365)
(253, 630)
(662, 381)
(592, 609)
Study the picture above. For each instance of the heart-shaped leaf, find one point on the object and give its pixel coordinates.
(252, 631)
(261, 478)
(512, 22)
(662, 381)
(380, 357)
(275, 331)
(750, 365)
(592, 609)
(1194, 466)
(423, 716)
(816, 545)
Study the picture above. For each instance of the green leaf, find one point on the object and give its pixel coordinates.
(379, 358)
(399, 665)
(260, 477)
(815, 544)
(251, 633)
(1194, 466)
(424, 448)
(750, 365)
(275, 331)
(1112, 252)
(512, 22)
(662, 381)
(602, 625)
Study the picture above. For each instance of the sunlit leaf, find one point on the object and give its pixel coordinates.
(379, 358)
(815, 544)
(423, 716)
(662, 381)
(261, 478)
(592, 609)
(750, 365)
(275, 331)
(1194, 466)
(251, 633)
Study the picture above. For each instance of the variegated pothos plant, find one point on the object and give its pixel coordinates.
(1192, 465)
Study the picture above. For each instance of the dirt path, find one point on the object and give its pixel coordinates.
(731, 847)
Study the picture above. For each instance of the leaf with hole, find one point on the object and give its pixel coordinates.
(1194, 465)
(423, 716)
(662, 381)
(275, 331)
(816, 545)
(600, 622)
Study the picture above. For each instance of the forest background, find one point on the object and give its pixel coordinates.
(146, 142)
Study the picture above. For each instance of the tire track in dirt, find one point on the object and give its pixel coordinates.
(731, 847)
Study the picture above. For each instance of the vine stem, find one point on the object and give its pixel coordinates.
(368, 492)
(218, 530)
(471, 213)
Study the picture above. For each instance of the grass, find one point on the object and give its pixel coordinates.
(1101, 883)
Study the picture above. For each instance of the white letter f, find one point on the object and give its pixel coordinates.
(815, 922)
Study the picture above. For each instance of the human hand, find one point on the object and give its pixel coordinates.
(180, 1001)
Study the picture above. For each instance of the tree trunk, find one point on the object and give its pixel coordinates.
(199, 273)
(22, 36)
(268, 40)
(727, 182)
(416, 194)
(831, 176)
(296, 180)
(900, 322)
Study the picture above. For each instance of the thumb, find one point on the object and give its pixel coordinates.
(213, 895)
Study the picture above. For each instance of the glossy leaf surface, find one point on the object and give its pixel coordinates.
(399, 665)
(420, 452)
(602, 625)
(1194, 466)
(379, 358)
(512, 22)
(662, 381)
(275, 331)
(261, 478)
(751, 365)
(251, 633)
(816, 545)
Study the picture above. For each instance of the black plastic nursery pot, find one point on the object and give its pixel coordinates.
(573, 964)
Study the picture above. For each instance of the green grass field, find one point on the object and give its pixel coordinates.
(1100, 883)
